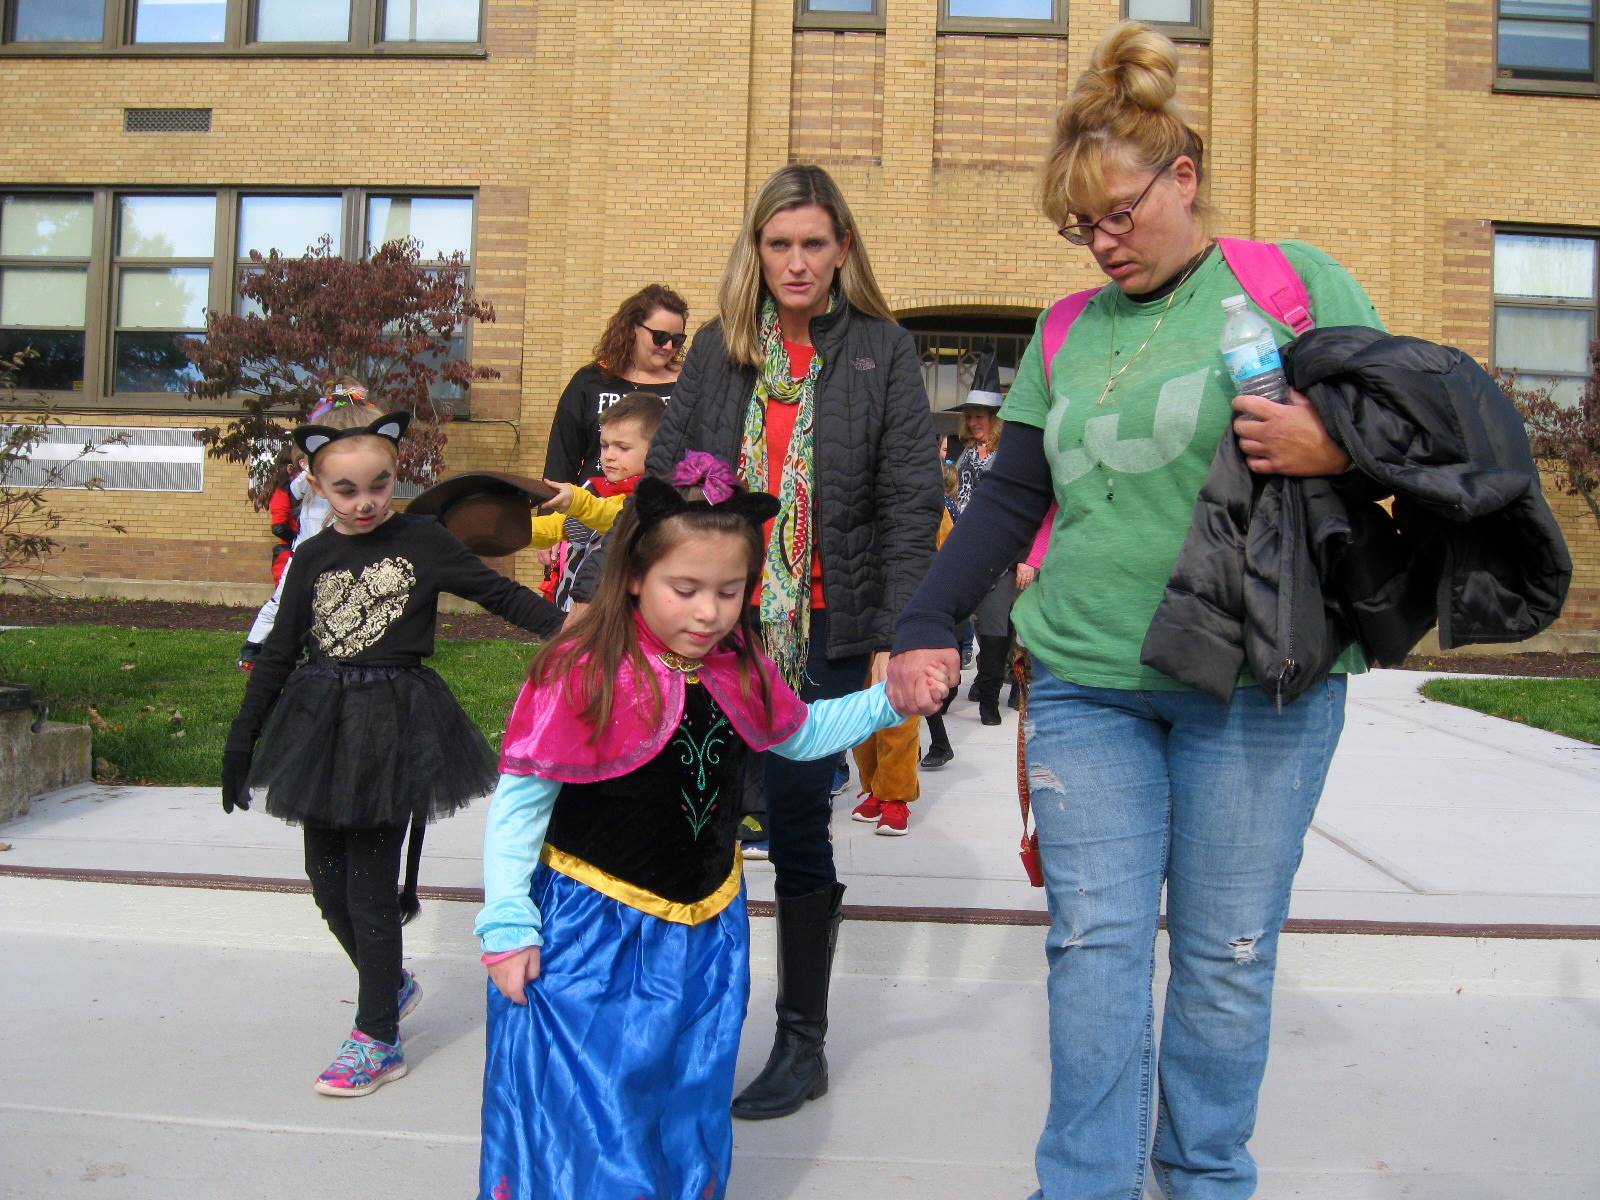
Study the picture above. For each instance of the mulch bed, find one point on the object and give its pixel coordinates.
(168, 614)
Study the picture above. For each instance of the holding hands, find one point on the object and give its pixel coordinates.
(920, 679)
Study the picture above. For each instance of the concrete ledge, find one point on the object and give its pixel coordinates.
(60, 756)
(1551, 641)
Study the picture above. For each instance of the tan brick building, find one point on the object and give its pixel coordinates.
(1442, 149)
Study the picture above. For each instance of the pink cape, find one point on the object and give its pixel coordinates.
(547, 737)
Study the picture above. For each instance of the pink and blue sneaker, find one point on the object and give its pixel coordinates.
(362, 1065)
(410, 993)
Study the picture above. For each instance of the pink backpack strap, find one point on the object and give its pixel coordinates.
(1270, 280)
(1041, 540)
(1058, 321)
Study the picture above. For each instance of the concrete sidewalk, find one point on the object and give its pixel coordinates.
(160, 1041)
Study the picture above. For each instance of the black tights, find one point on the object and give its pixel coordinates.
(354, 876)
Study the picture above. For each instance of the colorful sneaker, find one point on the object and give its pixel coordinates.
(870, 808)
(896, 816)
(247, 656)
(410, 993)
(361, 1066)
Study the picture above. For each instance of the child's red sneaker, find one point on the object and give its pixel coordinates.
(870, 808)
(896, 815)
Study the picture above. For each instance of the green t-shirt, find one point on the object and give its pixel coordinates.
(1127, 472)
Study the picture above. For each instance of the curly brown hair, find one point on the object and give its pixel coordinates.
(614, 350)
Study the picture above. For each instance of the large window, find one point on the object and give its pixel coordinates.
(1547, 44)
(45, 243)
(106, 287)
(1545, 288)
(241, 26)
(1003, 16)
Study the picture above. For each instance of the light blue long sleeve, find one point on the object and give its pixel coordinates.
(519, 815)
(835, 725)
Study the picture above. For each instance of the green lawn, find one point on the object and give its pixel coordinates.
(1566, 706)
(164, 698)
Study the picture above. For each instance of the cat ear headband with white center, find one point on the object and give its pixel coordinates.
(312, 438)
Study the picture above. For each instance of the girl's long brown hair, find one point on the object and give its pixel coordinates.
(585, 658)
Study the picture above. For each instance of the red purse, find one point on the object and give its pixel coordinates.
(1029, 850)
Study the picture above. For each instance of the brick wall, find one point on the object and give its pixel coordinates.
(610, 147)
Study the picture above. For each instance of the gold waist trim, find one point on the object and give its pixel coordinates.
(645, 901)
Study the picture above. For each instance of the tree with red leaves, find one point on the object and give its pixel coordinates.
(389, 320)
(1566, 435)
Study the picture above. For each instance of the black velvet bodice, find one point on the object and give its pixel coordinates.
(668, 827)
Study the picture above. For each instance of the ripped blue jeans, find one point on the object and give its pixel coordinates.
(1133, 790)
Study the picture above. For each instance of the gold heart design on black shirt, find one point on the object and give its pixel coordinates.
(349, 615)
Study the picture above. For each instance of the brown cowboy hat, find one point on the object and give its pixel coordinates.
(488, 510)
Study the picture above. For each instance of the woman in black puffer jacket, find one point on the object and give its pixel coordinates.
(807, 386)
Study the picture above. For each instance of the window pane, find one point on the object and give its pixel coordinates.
(442, 223)
(1579, 10)
(174, 298)
(153, 362)
(303, 21)
(1017, 10)
(1174, 12)
(57, 361)
(840, 6)
(287, 224)
(1557, 268)
(1543, 339)
(43, 298)
(59, 20)
(430, 21)
(1564, 389)
(166, 226)
(55, 226)
(1547, 46)
(179, 20)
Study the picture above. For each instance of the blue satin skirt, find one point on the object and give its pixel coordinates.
(614, 1081)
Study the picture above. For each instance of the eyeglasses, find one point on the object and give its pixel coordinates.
(1117, 224)
(661, 337)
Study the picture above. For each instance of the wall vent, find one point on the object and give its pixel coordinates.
(166, 120)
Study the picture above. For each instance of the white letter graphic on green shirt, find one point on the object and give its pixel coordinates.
(1177, 411)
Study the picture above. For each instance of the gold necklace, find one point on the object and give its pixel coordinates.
(680, 663)
(1111, 350)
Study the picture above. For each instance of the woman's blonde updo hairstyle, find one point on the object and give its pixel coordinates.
(1123, 112)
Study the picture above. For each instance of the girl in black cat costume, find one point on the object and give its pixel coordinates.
(361, 740)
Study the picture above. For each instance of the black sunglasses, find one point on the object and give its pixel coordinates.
(661, 337)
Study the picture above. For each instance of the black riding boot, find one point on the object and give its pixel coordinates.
(797, 1069)
(992, 655)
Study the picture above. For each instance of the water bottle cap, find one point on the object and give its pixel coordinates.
(1235, 302)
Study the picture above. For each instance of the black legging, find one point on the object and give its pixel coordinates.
(354, 876)
(799, 795)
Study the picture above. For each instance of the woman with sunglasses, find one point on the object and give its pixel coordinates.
(641, 350)
(806, 384)
(1137, 783)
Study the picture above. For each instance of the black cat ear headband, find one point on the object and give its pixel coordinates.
(312, 438)
(654, 500)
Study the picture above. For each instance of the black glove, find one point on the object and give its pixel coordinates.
(235, 780)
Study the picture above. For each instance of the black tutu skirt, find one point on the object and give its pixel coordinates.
(355, 747)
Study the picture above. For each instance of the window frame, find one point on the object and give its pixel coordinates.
(1055, 26)
(106, 263)
(1198, 30)
(1548, 303)
(365, 40)
(806, 18)
(1520, 79)
(95, 267)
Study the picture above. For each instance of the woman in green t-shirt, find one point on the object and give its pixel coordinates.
(1137, 783)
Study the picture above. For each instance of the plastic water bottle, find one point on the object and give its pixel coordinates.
(1251, 353)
